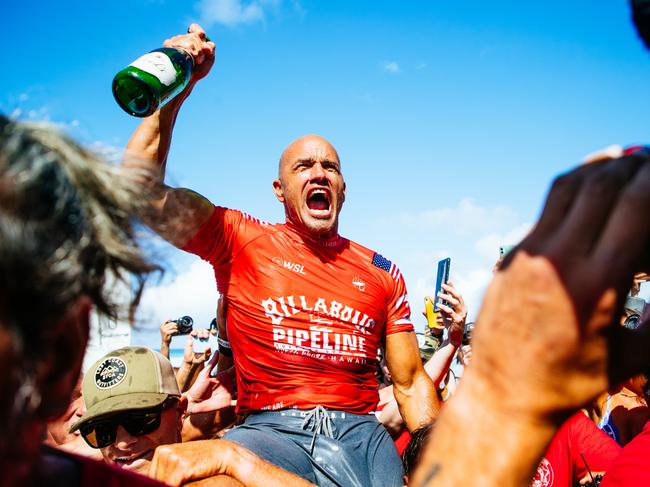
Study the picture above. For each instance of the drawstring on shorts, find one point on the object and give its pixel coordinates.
(321, 424)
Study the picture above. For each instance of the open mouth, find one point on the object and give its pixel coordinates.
(128, 461)
(318, 200)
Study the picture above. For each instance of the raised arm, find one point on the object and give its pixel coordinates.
(176, 213)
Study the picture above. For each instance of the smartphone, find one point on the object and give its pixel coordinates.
(200, 345)
(442, 278)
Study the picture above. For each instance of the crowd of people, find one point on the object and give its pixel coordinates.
(318, 377)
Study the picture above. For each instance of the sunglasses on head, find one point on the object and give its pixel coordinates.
(101, 433)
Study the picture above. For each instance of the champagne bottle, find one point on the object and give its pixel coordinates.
(152, 80)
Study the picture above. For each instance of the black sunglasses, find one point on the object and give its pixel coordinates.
(101, 433)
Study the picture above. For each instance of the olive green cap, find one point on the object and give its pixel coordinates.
(126, 379)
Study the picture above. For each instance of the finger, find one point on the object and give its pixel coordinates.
(449, 298)
(195, 28)
(445, 309)
(558, 203)
(212, 363)
(624, 246)
(598, 195)
(451, 289)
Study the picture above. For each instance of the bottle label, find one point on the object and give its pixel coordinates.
(157, 64)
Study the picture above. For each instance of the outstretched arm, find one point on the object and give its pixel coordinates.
(212, 459)
(176, 213)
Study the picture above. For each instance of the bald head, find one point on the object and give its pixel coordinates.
(308, 147)
(310, 185)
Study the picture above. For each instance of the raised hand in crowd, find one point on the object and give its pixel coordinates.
(192, 359)
(211, 401)
(209, 393)
(168, 329)
(548, 338)
(452, 316)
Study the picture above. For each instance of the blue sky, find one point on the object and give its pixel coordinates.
(451, 118)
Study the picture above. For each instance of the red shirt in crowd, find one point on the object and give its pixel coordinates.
(632, 466)
(563, 465)
(305, 316)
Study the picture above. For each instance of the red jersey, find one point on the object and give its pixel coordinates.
(631, 468)
(305, 316)
(562, 465)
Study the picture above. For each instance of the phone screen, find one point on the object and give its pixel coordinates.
(442, 278)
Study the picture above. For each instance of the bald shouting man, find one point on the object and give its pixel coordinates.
(307, 308)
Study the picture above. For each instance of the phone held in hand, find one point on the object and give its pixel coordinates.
(442, 278)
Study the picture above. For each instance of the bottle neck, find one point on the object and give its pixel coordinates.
(184, 51)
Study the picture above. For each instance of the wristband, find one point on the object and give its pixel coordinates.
(224, 347)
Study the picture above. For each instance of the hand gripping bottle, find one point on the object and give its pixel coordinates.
(152, 80)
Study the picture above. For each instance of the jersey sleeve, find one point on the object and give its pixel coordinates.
(398, 317)
(590, 444)
(215, 240)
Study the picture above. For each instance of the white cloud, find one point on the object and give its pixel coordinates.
(468, 217)
(486, 244)
(421, 66)
(192, 292)
(109, 152)
(468, 232)
(391, 67)
(231, 13)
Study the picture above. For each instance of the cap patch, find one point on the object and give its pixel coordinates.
(110, 373)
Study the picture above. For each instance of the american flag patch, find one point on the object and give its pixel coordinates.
(385, 264)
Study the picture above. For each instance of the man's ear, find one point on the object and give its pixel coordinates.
(277, 189)
(58, 370)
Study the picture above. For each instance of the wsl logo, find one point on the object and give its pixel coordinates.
(297, 268)
(110, 373)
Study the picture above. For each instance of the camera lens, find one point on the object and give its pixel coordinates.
(632, 322)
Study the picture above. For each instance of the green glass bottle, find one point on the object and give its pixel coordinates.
(152, 80)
